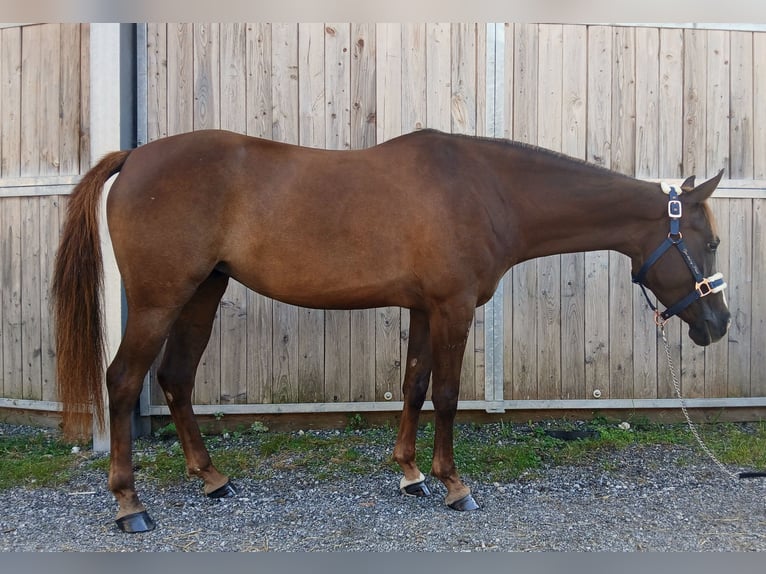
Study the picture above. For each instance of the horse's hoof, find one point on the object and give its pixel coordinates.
(137, 522)
(417, 489)
(464, 504)
(226, 491)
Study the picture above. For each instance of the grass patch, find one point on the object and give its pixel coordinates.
(497, 452)
(35, 461)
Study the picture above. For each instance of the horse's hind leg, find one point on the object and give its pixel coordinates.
(185, 345)
(145, 331)
(416, 378)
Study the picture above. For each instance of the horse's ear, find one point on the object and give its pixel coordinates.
(688, 184)
(704, 190)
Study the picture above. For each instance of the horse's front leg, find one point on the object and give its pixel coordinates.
(449, 334)
(416, 378)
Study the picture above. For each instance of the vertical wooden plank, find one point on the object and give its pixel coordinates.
(717, 356)
(623, 159)
(10, 94)
(233, 314)
(284, 81)
(13, 332)
(670, 136)
(647, 55)
(285, 98)
(599, 144)
(311, 84)
(695, 157)
(48, 118)
(741, 108)
(84, 97)
(207, 86)
(259, 92)
(574, 88)
(550, 132)
(337, 80)
(49, 237)
(718, 106)
(157, 80)
(524, 276)
(363, 94)
(695, 99)
(464, 78)
(70, 119)
(438, 76)
(738, 294)
(671, 103)
(391, 330)
(758, 318)
(338, 337)
(3, 82)
(647, 166)
(313, 121)
(31, 347)
(180, 88)
(31, 100)
(362, 133)
(759, 106)
(206, 115)
(509, 57)
(414, 78)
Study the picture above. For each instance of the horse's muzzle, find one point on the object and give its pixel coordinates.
(710, 328)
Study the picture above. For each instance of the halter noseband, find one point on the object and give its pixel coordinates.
(703, 286)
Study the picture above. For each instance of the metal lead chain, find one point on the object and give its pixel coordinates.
(692, 426)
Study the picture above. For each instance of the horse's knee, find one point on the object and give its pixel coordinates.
(445, 400)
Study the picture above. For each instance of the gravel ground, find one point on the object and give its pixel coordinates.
(649, 499)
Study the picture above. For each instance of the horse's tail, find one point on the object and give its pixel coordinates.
(77, 301)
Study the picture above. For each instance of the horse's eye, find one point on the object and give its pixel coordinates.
(713, 246)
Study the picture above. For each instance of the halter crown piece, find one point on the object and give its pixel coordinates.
(703, 285)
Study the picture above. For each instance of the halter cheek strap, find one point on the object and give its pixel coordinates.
(703, 285)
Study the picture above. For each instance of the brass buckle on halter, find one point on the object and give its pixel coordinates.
(703, 288)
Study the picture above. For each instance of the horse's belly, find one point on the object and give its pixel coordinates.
(326, 284)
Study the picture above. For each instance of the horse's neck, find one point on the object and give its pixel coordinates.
(594, 211)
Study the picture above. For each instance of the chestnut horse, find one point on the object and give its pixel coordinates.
(428, 221)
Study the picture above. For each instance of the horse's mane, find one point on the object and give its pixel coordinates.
(515, 144)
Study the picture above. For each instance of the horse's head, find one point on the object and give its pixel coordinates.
(678, 262)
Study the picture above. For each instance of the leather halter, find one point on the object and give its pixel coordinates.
(703, 285)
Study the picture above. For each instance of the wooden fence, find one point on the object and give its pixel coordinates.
(44, 146)
(645, 101)
(651, 102)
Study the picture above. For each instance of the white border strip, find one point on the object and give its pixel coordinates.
(396, 406)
